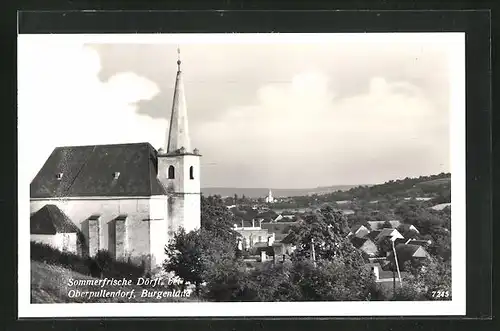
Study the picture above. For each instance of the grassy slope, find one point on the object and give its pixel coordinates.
(49, 284)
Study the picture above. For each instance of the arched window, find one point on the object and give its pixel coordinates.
(171, 172)
(191, 172)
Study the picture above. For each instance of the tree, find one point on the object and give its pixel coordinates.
(330, 280)
(192, 256)
(217, 219)
(325, 230)
(429, 280)
(384, 246)
(441, 244)
(407, 233)
(225, 281)
(269, 282)
(386, 225)
(185, 258)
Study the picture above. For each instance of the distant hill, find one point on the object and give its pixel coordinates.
(434, 186)
(436, 182)
(262, 192)
(400, 187)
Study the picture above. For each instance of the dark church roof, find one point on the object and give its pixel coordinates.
(51, 220)
(99, 170)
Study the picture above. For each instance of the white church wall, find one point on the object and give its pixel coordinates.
(158, 229)
(192, 210)
(184, 203)
(47, 239)
(182, 181)
(191, 185)
(79, 210)
(66, 242)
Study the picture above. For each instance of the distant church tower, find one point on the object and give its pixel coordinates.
(179, 166)
(269, 198)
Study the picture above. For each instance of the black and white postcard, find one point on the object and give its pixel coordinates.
(241, 174)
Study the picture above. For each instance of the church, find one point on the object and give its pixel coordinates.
(127, 199)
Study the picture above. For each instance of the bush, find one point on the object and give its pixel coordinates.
(102, 265)
(407, 293)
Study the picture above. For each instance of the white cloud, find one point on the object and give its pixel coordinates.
(61, 101)
(366, 114)
(392, 126)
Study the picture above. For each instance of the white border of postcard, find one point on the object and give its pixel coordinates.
(455, 42)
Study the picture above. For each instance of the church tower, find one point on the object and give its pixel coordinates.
(269, 198)
(179, 166)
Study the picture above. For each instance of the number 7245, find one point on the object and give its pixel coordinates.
(440, 294)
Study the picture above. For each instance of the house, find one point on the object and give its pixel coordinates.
(347, 211)
(407, 252)
(385, 276)
(405, 228)
(423, 198)
(418, 242)
(378, 225)
(267, 216)
(441, 206)
(359, 231)
(251, 236)
(365, 245)
(280, 229)
(373, 235)
(50, 225)
(128, 199)
(392, 234)
(284, 217)
(271, 249)
(283, 248)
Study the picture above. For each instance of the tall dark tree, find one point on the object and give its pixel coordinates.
(193, 256)
(384, 246)
(428, 280)
(217, 219)
(326, 231)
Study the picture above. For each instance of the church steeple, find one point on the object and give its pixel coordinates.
(178, 134)
(179, 170)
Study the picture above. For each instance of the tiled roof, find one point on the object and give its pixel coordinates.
(419, 242)
(51, 220)
(407, 252)
(385, 233)
(288, 239)
(280, 236)
(373, 234)
(90, 171)
(375, 225)
(388, 233)
(407, 227)
(356, 228)
(359, 242)
(279, 227)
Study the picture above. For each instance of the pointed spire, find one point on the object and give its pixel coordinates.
(178, 135)
(178, 59)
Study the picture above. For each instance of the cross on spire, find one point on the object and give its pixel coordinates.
(178, 135)
(178, 58)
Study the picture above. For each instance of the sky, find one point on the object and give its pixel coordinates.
(294, 113)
